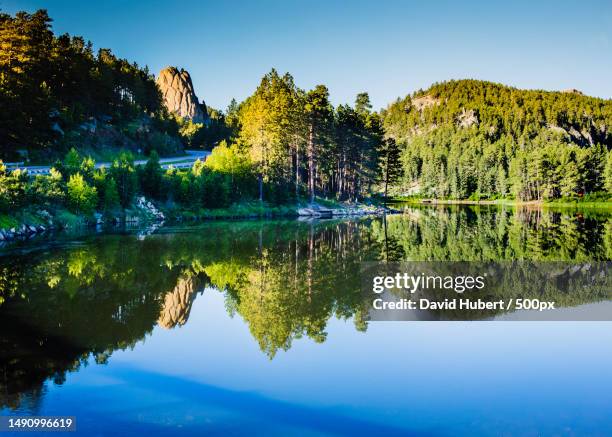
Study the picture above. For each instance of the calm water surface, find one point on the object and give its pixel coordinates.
(260, 327)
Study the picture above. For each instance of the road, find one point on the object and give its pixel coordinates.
(185, 161)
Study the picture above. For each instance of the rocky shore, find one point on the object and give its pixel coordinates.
(24, 231)
(318, 211)
(144, 212)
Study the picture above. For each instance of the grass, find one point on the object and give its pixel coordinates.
(579, 204)
(596, 200)
(22, 217)
(8, 222)
(251, 209)
(599, 200)
(329, 203)
(69, 220)
(240, 210)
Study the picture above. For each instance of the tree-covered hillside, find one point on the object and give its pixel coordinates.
(55, 92)
(479, 139)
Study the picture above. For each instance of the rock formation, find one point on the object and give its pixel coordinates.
(177, 303)
(573, 91)
(179, 96)
(467, 118)
(421, 103)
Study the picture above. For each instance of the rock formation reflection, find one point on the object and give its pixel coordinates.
(64, 307)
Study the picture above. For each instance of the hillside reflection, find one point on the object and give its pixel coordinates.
(59, 308)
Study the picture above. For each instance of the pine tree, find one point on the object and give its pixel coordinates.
(391, 165)
(608, 172)
(319, 118)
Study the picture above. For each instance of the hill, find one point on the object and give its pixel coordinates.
(56, 93)
(469, 138)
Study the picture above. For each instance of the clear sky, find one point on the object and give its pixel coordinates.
(388, 48)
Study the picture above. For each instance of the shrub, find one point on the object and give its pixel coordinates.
(108, 197)
(82, 198)
(162, 143)
(125, 177)
(215, 189)
(231, 161)
(150, 177)
(12, 189)
(48, 190)
(171, 182)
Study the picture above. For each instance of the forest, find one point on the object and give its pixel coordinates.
(481, 140)
(54, 88)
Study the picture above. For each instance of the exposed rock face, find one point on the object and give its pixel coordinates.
(583, 137)
(573, 91)
(179, 96)
(177, 303)
(467, 118)
(420, 103)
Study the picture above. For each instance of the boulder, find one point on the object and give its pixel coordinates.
(179, 96)
(149, 209)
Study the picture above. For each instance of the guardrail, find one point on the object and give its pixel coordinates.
(14, 164)
(46, 170)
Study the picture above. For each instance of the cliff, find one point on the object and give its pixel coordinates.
(179, 96)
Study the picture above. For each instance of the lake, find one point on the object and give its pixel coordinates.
(260, 327)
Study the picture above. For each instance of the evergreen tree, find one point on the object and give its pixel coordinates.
(125, 177)
(391, 165)
(473, 131)
(50, 84)
(608, 172)
(151, 177)
(319, 117)
(268, 127)
(362, 104)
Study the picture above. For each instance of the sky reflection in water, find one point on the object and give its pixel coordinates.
(207, 371)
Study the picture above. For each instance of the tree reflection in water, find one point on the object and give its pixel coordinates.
(286, 279)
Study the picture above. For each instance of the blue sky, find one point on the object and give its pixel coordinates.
(388, 48)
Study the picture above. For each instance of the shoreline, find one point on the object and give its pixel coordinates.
(143, 213)
(37, 224)
(503, 202)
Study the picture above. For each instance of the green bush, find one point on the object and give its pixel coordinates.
(108, 197)
(171, 182)
(150, 177)
(215, 189)
(48, 190)
(125, 177)
(12, 189)
(110, 200)
(163, 144)
(82, 198)
(233, 162)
